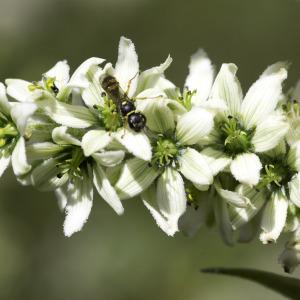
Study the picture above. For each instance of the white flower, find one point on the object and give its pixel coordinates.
(13, 123)
(242, 131)
(173, 157)
(133, 84)
(64, 168)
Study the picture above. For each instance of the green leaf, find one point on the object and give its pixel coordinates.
(286, 286)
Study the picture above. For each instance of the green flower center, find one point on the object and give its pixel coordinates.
(235, 138)
(275, 175)
(186, 99)
(109, 117)
(71, 163)
(8, 133)
(48, 85)
(165, 152)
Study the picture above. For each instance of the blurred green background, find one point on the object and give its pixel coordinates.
(128, 257)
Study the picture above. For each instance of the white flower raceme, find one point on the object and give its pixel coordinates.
(60, 165)
(248, 126)
(161, 183)
(13, 122)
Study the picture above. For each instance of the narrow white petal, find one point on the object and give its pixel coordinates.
(294, 188)
(80, 77)
(136, 176)
(294, 156)
(269, 132)
(149, 78)
(201, 76)
(241, 216)
(43, 150)
(274, 217)
(18, 89)
(74, 116)
(109, 158)
(127, 66)
(5, 106)
(105, 189)
(293, 135)
(228, 88)
(61, 136)
(246, 168)
(171, 198)
(290, 258)
(60, 72)
(160, 117)
(194, 125)
(223, 221)
(79, 205)
(4, 163)
(95, 140)
(233, 198)
(136, 143)
(150, 201)
(62, 197)
(195, 168)
(20, 114)
(18, 158)
(216, 160)
(262, 97)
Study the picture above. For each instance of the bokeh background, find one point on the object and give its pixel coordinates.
(128, 257)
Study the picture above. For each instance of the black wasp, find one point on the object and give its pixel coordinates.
(126, 107)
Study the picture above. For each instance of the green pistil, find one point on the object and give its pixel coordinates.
(235, 138)
(165, 152)
(275, 176)
(72, 164)
(186, 99)
(292, 108)
(109, 116)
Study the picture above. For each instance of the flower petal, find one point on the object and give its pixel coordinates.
(18, 89)
(195, 168)
(241, 216)
(269, 133)
(294, 156)
(171, 198)
(216, 160)
(194, 125)
(274, 217)
(127, 66)
(5, 106)
(60, 72)
(149, 78)
(136, 176)
(79, 205)
(223, 221)
(294, 189)
(109, 158)
(201, 76)
(228, 88)
(62, 197)
(74, 116)
(263, 96)
(105, 189)
(18, 158)
(4, 163)
(159, 116)
(20, 114)
(95, 140)
(61, 136)
(136, 143)
(246, 168)
(43, 150)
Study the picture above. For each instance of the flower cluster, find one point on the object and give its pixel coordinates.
(201, 155)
